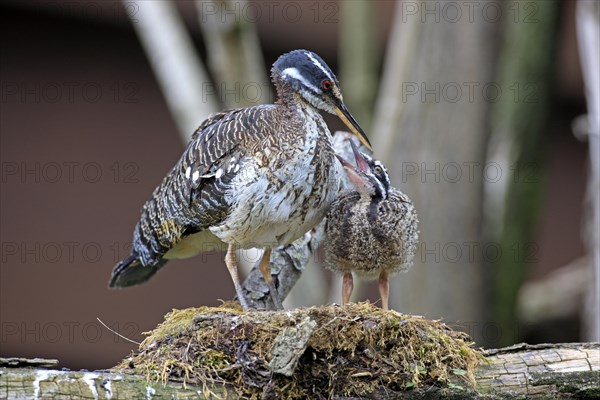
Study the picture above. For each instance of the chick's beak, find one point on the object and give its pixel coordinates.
(342, 112)
(353, 176)
(361, 163)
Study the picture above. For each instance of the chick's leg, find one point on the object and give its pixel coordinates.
(347, 287)
(384, 289)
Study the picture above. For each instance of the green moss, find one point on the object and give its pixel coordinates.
(581, 384)
(355, 350)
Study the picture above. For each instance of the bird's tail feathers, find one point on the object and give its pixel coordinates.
(130, 271)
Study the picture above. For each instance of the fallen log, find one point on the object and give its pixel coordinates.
(568, 370)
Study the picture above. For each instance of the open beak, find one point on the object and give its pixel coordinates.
(353, 173)
(342, 111)
(361, 163)
(353, 176)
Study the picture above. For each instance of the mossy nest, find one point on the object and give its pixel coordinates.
(354, 350)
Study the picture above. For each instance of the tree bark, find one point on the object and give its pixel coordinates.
(544, 370)
(570, 370)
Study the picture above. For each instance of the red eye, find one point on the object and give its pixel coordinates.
(326, 84)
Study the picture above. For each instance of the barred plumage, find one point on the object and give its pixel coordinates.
(372, 230)
(254, 177)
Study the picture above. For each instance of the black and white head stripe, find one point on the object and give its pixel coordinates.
(305, 67)
(321, 65)
(294, 73)
(304, 72)
(378, 176)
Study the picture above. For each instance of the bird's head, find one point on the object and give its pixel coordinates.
(369, 176)
(306, 74)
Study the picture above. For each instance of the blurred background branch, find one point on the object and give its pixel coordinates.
(588, 30)
(359, 59)
(518, 144)
(175, 62)
(416, 128)
(234, 54)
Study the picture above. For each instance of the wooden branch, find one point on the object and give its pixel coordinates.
(568, 285)
(287, 264)
(50, 384)
(546, 370)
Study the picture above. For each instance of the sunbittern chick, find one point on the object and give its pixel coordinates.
(371, 230)
(253, 177)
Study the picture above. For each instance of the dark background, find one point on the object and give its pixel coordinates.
(85, 138)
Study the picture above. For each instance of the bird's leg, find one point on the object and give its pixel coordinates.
(347, 286)
(265, 268)
(231, 263)
(384, 289)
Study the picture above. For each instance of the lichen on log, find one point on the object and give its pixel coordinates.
(29, 383)
(290, 345)
(547, 370)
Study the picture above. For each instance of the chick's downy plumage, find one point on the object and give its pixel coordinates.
(372, 229)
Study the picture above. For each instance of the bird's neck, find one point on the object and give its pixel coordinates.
(297, 111)
(296, 108)
(290, 99)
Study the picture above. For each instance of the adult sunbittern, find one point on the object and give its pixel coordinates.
(254, 177)
(370, 230)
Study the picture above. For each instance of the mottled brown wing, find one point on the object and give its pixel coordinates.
(190, 198)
